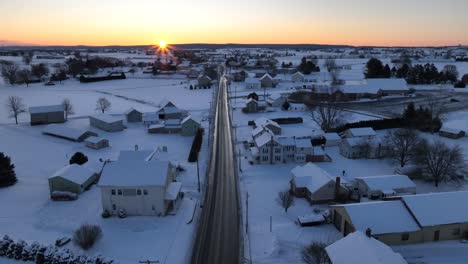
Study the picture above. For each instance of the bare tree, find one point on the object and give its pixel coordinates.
(15, 107)
(87, 235)
(103, 104)
(441, 162)
(67, 107)
(286, 200)
(9, 72)
(315, 253)
(24, 76)
(327, 115)
(27, 58)
(330, 64)
(403, 144)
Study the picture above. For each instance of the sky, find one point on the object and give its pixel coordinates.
(142, 22)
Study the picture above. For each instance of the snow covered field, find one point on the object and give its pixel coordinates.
(29, 214)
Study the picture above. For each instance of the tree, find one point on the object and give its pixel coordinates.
(374, 69)
(286, 200)
(67, 107)
(103, 104)
(9, 72)
(330, 64)
(27, 58)
(7, 171)
(87, 235)
(327, 115)
(307, 66)
(441, 162)
(315, 253)
(39, 70)
(387, 73)
(78, 158)
(403, 145)
(75, 67)
(286, 106)
(15, 107)
(24, 76)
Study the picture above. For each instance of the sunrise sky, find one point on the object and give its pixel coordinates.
(135, 22)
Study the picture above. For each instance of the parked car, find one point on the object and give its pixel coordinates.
(49, 83)
(63, 196)
(62, 241)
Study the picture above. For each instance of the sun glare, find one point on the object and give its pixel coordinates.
(162, 44)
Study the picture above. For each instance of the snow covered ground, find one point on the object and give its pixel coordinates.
(29, 214)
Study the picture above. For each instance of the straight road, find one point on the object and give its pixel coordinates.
(218, 237)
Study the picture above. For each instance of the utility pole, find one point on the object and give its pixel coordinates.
(247, 213)
(240, 161)
(198, 175)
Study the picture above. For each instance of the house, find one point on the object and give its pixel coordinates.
(41, 115)
(67, 133)
(139, 188)
(266, 81)
(72, 178)
(276, 100)
(168, 110)
(151, 118)
(332, 139)
(169, 126)
(304, 150)
(133, 116)
(252, 83)
(362, 147)
(96, 143)
(451, 133)
(362, 132)
(315, 184)
(251, 106)
(377, 187)
(414, 218)
(107, 123)
(189, 126)
(391, 86)
(297, 77)
(204, 81)
(359, 248)
(297, 107)
(270, 124)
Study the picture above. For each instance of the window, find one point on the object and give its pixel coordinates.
(278, 158)
(405, 236)
(119, 192)
(145, 192)
(265, 158)
(277, 150)
(112, 192)
(456, 232)
(114, 207)
(138, 192)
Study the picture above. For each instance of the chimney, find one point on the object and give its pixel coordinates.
(368, 232)
(337, 187)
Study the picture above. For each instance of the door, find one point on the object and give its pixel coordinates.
(436, 235)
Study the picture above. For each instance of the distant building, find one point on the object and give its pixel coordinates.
(204, 81)
(107, 123)
(189, 126)
(168, 110)
(252, 83)
(96, 143)
(276, 100)
(297, 77)
(150, 119)
(332, 139)
(133, 116)
(72, 178)
(251, 106)
(267, 81)
(364, 132)
(41, 115)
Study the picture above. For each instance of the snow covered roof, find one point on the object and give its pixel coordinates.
(387, 182)
(107, 118)
(381, 217)
(332, 136)
(450, 130)
(135, 173)
(310, 176)
(275, 96)
(46, 109)
(151, 116)
(357, 248)
(63, 131)
(131, 109)
(298, 73)
(189, 118)
(94, 140)
(303, 143)
(354, 142)
(74, 173)
(259, 130)
(438, 208)
(249, 100)
(263, 138)
(262, 121)
(139, 155)
(172, 191)
(166, 103)
(389, 84)
(362, 132)
(286, 141)
(266, 76)
(251, 80)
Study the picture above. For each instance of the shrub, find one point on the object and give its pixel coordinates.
(78, 158)
(87, 235)
(7, 171)
(459, 84)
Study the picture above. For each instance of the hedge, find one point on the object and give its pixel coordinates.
(84, 79)
(283, 121)
(196, 146)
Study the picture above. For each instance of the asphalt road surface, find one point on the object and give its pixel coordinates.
(218, 236)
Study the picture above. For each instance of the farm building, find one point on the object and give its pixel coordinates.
(72, 178)
(189, 126)
(357, 246)
(377, 187)
(168, 110)
(139, 188)
(41, 115)
(107, 123)
(315, 184)
(67, 133)
(133, 116)
(150, 119)
(451, 133)
(97, 143)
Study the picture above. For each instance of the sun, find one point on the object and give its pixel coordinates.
(162, 44)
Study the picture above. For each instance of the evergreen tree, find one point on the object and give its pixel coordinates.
(78, 158)
(374, 69)
(7, 171)
(387, 73)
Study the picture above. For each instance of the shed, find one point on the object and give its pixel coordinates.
(97, 142)
(72, 178)
(67, 133)
(41, 115)
(133, 116)
(189, 126)
(385, 185)
(332, 139)
(107, 123)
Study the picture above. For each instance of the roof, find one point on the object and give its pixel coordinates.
(134, 173)
(286, 141)
(249, 100)
(438, 208)
(388, 182)
(303, 143)
(107, 118)
(262, 121)
(172, 191)
(275, 96)
(251, 80)
(450, 130)
(131, 109)
(266, 76)
(74, 173)
(381, 217)
(362, 132)
(310, 176)
(139, 155)
(152, 116)
(166, 103)
(94, 140)
(63, 131)
(263, 139)
(46, 109)
(332, 136)
(388, 84)
(354, 142)
(188, 118)
(357, 248)
(298, 73)
(259, 130)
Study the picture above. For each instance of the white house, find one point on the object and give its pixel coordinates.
(385, 185)
(332, 139)
(358, 248)
(252, 83)
(276, 100)
(139, 187)
(362, 132)
(297, 77)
